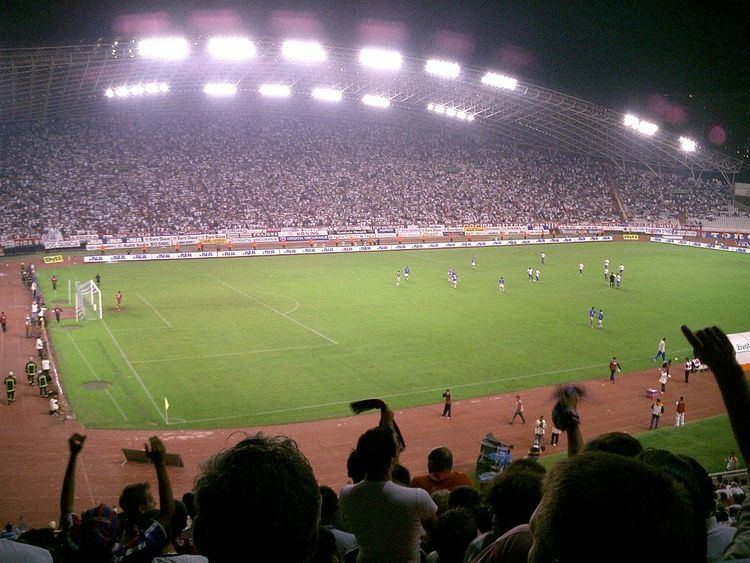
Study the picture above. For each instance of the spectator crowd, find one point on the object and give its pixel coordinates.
(610, 500)
(173, 174)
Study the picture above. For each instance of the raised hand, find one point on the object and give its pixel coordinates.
(155, 450)
(712, 346)
(75, 443)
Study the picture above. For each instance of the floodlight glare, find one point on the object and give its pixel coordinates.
(499, 81)
(380, 58)
(439, 109)
(461, 115)
(375, 101)
(444, 69)
(163, 87)
(644, 127)
(688, 145)
(275, 90)
(220, 89)
(109, 93)
(303, 51)
(430, 107)
(137, 90)
(450, 112)
(126, 91)
(121, 91)
(470, 118)
(231, 48)
(327, 94)
(164, 48)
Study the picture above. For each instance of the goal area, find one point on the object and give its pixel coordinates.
(88, 300)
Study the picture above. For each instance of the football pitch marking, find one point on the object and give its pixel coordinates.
(166, 322)
(285, 315)
(135, 373)
(416, 392)
(243, 353)
(96, 375)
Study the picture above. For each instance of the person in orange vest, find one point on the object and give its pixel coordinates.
(177, 247)
(144, 248)
(229, 245)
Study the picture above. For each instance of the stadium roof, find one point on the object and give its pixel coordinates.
(70, 81)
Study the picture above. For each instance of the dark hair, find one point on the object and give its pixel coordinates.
(464, 496)
(439, 459)
(376, 449)
(628, 506)
(513, 496)
(329, 504)
(262, 492)
(454, 531)
(400, 475)
(354, 468)
(189, 499)
(615, 443)
(132, 498)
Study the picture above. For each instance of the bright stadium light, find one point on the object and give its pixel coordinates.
(275, 90)
(327, 94)
(644, 127)
(450, 112)
(461, 115)
(231, 48)
(499, 81)
(220, 89)
(688, 145)
(164, 48)
(136, 90)
(381, 59)
(444, 69)
(439, 109)
(375, 101)
(303, 51)
(469, 117)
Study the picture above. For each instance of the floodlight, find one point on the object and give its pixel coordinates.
(450, 112)
(164, 48)
(375, 101)
(644, 127)
(380, 58)
(303, 51)
(121, 91)
(688, 145)
(231, 48)
(461, 115)
(327, 94)
(163, 87)
(444, 69)
(151, 88)
(439, 109)
(430, 107)
(137, 90)
(499, 81)
(109, 93)
(470, 118)
(220, 89)
(275, 90)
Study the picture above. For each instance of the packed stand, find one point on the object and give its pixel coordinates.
(169, 174)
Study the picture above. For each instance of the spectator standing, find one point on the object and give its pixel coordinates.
(661, 351)
(329, 508)
(540, 427)
(518, 412)
(28, 326)
(663, 378)
(688, 368)
(657, 409)
(680, 412)
(447, 406)
(555, 435)
(731, 461)
(3, 321)
(385, 517)
(440, 474)
(614, 366)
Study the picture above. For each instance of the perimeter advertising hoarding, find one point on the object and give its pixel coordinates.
(741, 343)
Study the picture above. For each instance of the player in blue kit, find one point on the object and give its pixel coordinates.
(592, 315)
(406, 273)
(501, 283)
(454, 279)
(600, 318)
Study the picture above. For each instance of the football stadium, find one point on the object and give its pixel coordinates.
(402, 303)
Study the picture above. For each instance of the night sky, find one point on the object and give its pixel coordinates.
(684, 65)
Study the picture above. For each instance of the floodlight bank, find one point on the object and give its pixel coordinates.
(220, 89)
(375, 101)
(164, 48)
(444, 69)
(380, 58)
(231, 48)
(303, 51)
(499, 81)
(275, 90)
(327, 94)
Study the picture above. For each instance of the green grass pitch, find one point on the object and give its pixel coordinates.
(269, 340)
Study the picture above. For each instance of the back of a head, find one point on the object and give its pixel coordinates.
(260, 494)
(400, 475)
(615, 443)
(608, 507)
(354, 468)
(454, 531)
(329, 504)
(464, 496)
(439, 459)
(134, 499)
(188, 500)
(376, 450)
(514, 495)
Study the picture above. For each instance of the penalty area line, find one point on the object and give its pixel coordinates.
(243, 353)
(166, 322)
(285, 315)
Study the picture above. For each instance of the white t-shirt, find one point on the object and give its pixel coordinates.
(385, 518)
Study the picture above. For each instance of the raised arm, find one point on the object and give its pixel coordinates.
(67, 495)
(714, 349)
(155, 451)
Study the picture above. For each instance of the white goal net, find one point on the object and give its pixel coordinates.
(88, 300)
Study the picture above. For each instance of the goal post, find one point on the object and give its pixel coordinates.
(88, 300)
